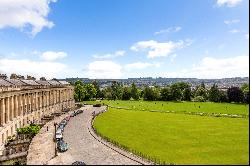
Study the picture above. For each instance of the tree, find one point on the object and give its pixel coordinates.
(235, 94)
(102, 94)
(223, 96)
(214, 93)
(126, 95)
(98, 91)
(116, 90)
(245, 89)
(175, 92)
(181, 91)
(134, 92)
(186, 95)
(108, 93)
(78, 82)
(79, 90)
(201, 91)
(166, 94)
(90, 91)
(148, 94)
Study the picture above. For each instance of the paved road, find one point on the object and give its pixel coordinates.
(84, 147)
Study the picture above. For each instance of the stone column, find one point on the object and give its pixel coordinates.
(11, 107)
(25, 103)
(19, 97)
(29, 102)
(32, 101)
(58, 96)
(64, 95)
(54, 95)
(7, 109)
(45, 98)
(38, 100)
(35, 101)
(41, 95)
(2, 111)
(16, 106)
(49, 93)
(42, 99)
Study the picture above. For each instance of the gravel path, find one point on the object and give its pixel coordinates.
(85, 146)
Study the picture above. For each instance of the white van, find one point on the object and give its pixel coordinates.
(59, 134)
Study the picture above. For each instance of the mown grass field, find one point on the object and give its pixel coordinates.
(208, 107)
(179, 138)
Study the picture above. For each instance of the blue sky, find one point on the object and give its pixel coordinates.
(125, 38)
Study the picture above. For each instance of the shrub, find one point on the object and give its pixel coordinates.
(97, 105)
(199, 99)
(32, 130)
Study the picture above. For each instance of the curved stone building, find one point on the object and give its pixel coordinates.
(26, 101)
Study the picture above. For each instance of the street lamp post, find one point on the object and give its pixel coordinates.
(55, 139)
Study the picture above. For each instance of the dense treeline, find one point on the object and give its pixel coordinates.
(180, 91)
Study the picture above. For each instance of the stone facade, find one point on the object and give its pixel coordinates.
(26, 101)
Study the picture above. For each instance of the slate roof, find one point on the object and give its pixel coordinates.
(30, 82)
(42, 82)
(16, 82)
(64, 82)
(5, 83)
(53, 82)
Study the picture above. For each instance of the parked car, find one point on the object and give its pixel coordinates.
(78, 163)
(79, 111)
(60, 127)
(63, 122)
(59, 135)
(73, 114)
(62, 146)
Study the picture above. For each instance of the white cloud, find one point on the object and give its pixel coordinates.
(211, 67)
(106, 56)
(247, 36)
(140, 65)
(104, 69)
(234, 31)
(229, 22)
(33, 68)
(25, 14)
(51, 55)
(169, 30)
(172, 58)
(228, 3)
(157, 49)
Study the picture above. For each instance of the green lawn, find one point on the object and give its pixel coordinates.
(208, 107)
(179, 138)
